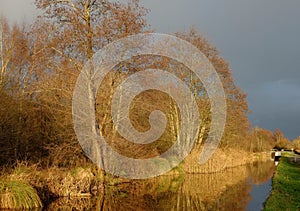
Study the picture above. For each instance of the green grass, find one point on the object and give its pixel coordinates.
(286, 187)
(18, 195)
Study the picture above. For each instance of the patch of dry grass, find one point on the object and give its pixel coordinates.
(222, 159)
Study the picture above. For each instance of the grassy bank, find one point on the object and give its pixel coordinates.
(29, 186)
(286, 187)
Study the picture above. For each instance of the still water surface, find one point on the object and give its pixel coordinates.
(241, 188)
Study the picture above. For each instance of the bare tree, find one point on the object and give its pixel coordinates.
(68, 34)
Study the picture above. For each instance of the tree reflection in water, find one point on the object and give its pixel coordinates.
(229, 190)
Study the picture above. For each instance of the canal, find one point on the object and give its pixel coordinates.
(240, 188)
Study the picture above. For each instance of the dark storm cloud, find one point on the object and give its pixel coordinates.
(260, 39)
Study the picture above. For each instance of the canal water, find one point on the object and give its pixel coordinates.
(259, 195)
(240, 188)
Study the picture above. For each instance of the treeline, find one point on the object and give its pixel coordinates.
(40, 64)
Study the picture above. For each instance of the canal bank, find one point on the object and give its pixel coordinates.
(286, 185)
(226, 190)
(225, 176)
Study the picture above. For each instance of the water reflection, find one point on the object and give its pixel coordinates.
(259, 195)
(229, 190)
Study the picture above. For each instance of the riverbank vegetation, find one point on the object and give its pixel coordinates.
(286, 186)
(39, 67)
(16, 194)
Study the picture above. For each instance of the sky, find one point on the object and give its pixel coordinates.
(259, 38)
